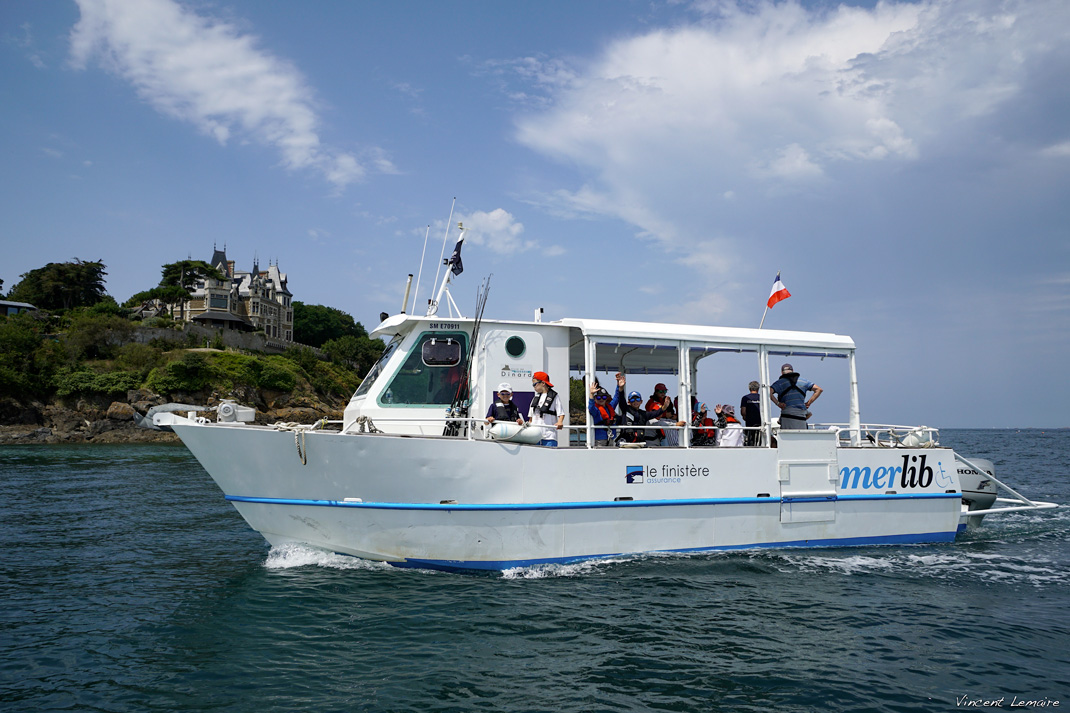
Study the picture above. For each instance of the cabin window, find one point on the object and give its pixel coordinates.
(515, 347)
(441, 352)
(377, 368)
(432, 373)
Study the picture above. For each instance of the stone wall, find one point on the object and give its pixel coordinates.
(233, 338)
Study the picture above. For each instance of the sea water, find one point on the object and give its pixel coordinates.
(128, 584)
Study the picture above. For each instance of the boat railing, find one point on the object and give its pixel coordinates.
(474, 428)
(871, 435)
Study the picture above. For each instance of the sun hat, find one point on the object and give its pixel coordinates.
(542, 376)
(505, 387)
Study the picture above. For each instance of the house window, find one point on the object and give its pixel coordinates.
(218, 302)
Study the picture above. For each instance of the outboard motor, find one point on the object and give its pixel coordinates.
(978, 490)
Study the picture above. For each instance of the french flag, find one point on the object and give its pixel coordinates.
(778, 293)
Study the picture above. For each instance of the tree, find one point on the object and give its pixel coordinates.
(178, 280)
(360, 352)
(62, 285)
(315, 325)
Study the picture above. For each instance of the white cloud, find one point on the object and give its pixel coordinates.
(498, 230)
(1057, 150)
(206, 72)
(683, 128)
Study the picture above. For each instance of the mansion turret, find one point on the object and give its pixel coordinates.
(258, 299)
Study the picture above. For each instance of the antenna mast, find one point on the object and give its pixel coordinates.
(451, 270)
(421, 273)
(432, 306)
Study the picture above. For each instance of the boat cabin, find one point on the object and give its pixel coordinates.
(422, 372)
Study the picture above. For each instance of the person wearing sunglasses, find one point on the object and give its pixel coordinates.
(603, 412)
(546, 409)
(504, 408)
(632, 414)
(657, 399)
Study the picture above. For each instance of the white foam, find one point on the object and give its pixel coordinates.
(294, 555)
(984, 566)
(574, 569)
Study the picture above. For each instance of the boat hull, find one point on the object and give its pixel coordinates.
(460, 504)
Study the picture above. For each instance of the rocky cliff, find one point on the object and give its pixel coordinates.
(102, 420)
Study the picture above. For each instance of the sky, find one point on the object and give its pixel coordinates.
(905, 165)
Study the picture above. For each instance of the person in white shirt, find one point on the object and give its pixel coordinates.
(546, 409)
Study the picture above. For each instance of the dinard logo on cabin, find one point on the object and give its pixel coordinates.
(913, 473)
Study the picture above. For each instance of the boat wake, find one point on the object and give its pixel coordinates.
(952, 564)
(295, 555)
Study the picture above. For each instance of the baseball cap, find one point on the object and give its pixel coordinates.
(504, 387)
(787, 369)
(542, 376)
(634, 395)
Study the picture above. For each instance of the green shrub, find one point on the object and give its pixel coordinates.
(304, 358)
(278, 374)
(236, 369)
(20, 343)
(84, 381)
(96, 336)
(138, 357)
(188, 374)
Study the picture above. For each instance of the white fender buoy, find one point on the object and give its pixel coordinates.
(515, 433)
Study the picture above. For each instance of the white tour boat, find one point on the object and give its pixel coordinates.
(412, 476)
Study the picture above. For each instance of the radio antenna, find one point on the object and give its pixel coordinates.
(442, 257)
(421, 272)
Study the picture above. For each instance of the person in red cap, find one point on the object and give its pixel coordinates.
(546, 409)
(658, 399)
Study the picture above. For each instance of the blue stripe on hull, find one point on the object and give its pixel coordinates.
(492, 565)
(579, 505)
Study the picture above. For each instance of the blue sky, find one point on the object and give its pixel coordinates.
(905, 165)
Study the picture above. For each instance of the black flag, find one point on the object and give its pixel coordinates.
(455, 259)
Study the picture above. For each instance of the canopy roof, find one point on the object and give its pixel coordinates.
(651, 347)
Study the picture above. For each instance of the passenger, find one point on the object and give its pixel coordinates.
(631, 414)
(751, 412)
(729, 430)
(503, 408)
(657, 399)
(546, 409)
(603, 412)
(668, 436)
(789, 393)
(704, 432)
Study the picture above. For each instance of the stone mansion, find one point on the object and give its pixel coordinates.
(247, 301)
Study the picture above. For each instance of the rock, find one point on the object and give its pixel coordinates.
(118, 411)
(295, 415)
(143, 407)
(144, 396)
